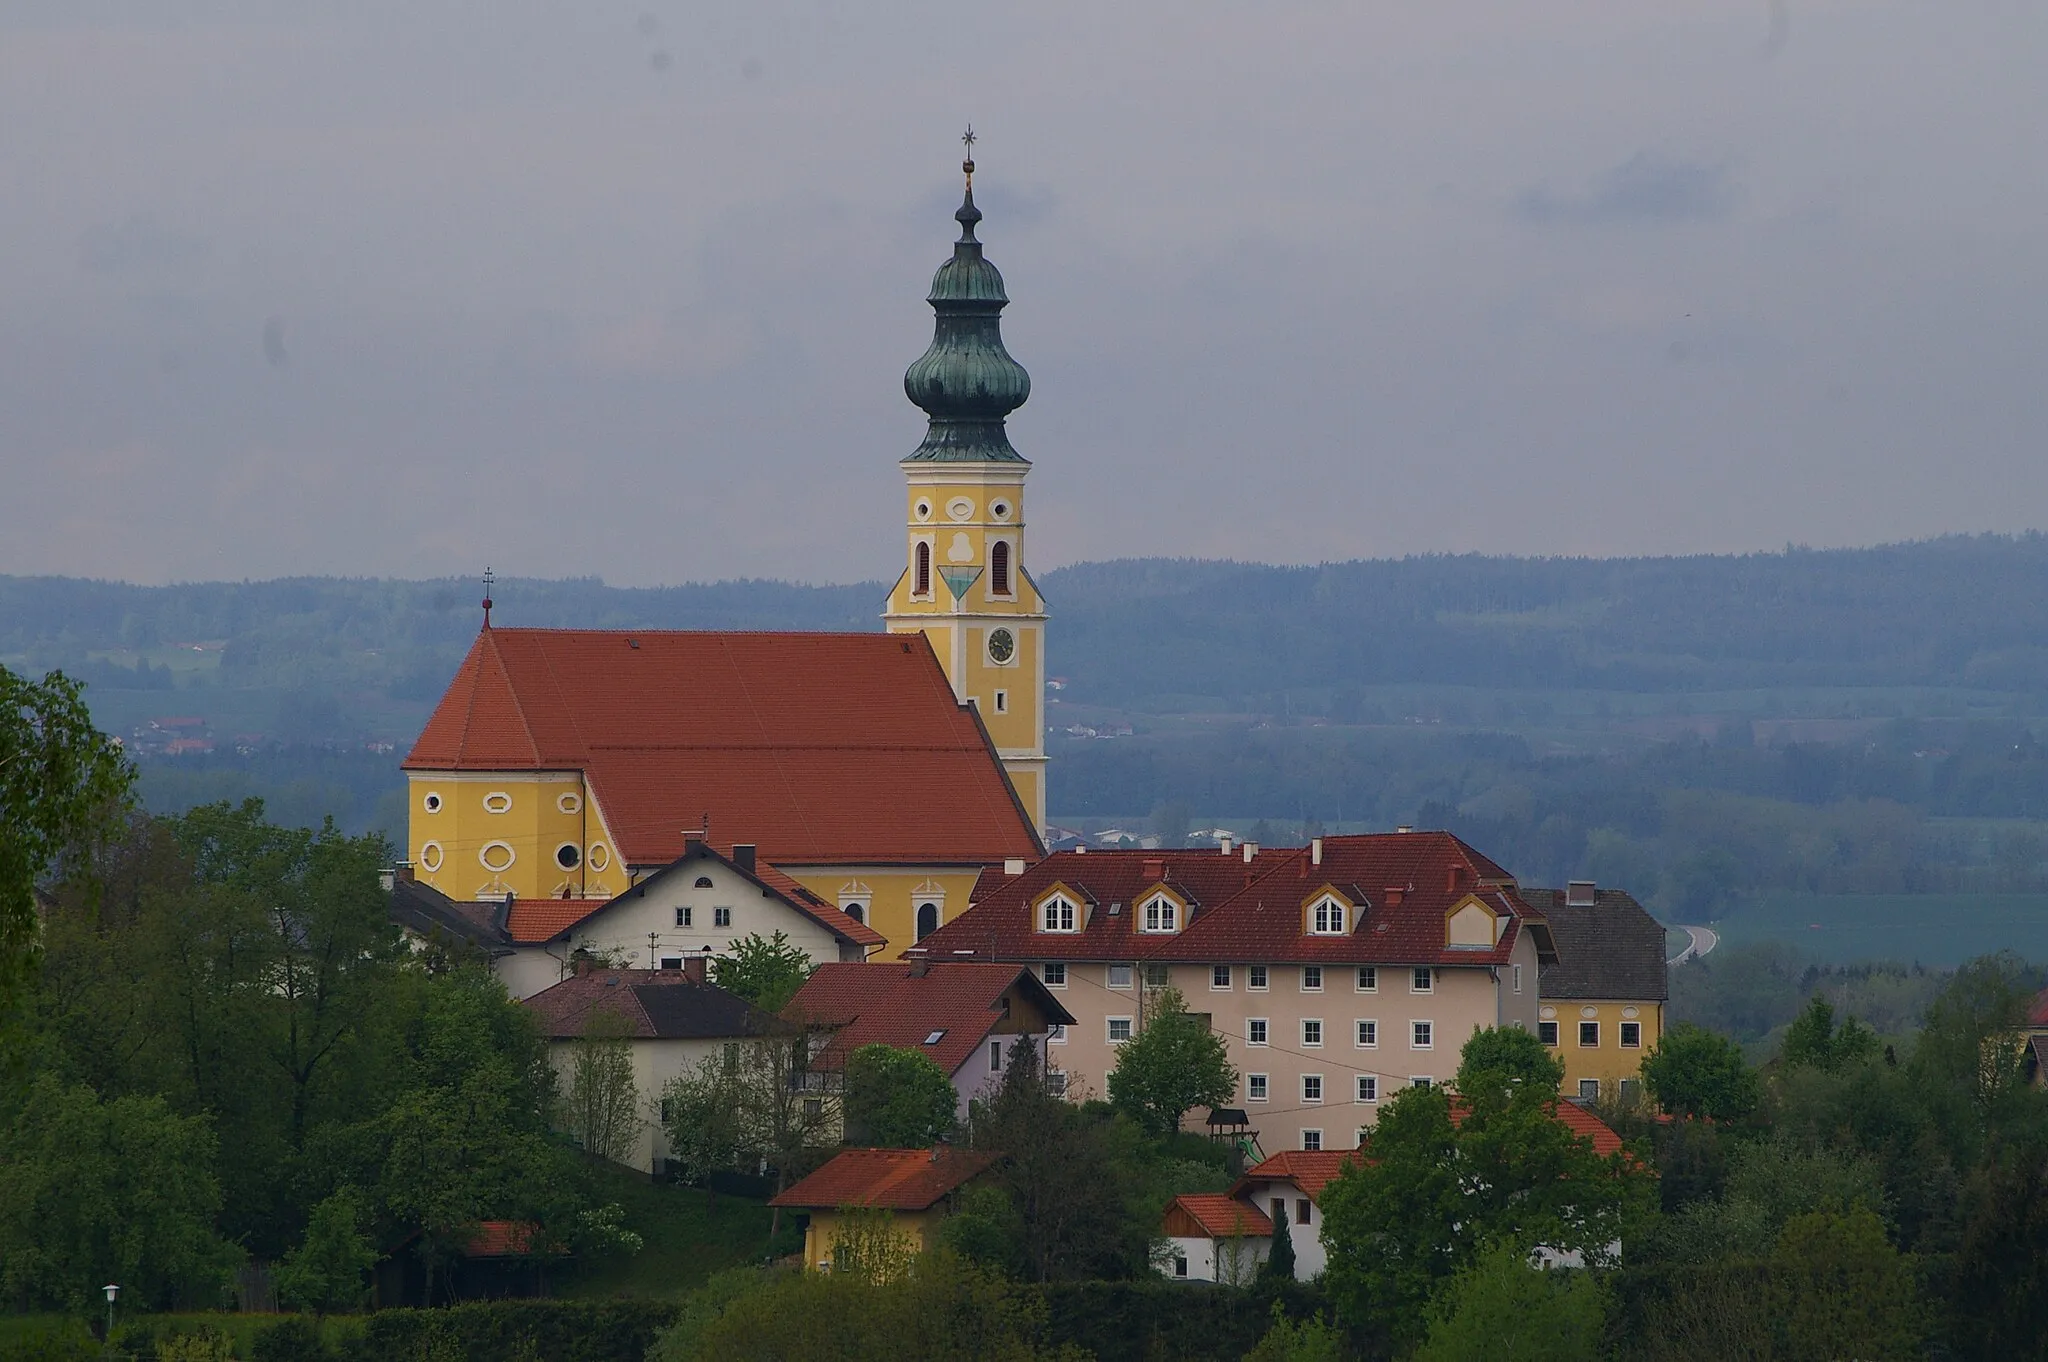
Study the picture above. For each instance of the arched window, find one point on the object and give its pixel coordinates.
(922, 585)
(999, 568)
(857, 911)
(927, 919)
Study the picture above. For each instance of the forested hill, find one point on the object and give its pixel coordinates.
(1162, 635)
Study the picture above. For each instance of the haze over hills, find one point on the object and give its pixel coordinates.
(1720, 732)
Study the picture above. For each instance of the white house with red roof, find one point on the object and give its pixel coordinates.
(1337, 973)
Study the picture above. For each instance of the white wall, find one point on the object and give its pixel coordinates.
(655, 1062)
(1242, 1259)
(1309, 1257)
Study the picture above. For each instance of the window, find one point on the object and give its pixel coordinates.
(729, 1054)
(1162, 915)
(1304, 1209)
(1368, 979)
(683, 916)
(1421, 1081)
(927, 919)
(1056, 916)
(1311, 1087)
(1002, 702)
(1422, 1035)
(1255, 978)
(1631, 1035)
(1589, 1090)
(671, 962)
(922, 586)
(1327, 918)
(1518, 978)
(1546, 1032)
(567, 856)
(1056, 1034)
(666, 1108)
(1254, 1087)
(1119, 976)
(1219, 976)
(934, 1037)
(1368, 1035)
(1056, 1082)
(1119, 1030)
(1311, 978)
(721, 917)
(1055, 972)
(1368, 1088)
(1311, 1031)
(1158, 975)
(1255, 1031)
(1180, 1265)
(999, 569)
(1631, 1091)
(995, 1056)
(1310, 1139)
(856, 910)
(1424, 981)
(1589, 1035)
(814, 1108)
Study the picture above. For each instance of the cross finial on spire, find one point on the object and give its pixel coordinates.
(968, 139)
(488, 579)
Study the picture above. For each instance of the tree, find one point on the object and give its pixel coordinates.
(1502, 1308)
(1974, 1041)
(766, 971)
(1694, 1072)
(604, 1102)
(1508, 1055)
(867, 1244)
(1280, 1257)
(1308, 1340)
(896, 1098)
(1839, 1289)
(1174, 1064)
(757, 1101)
(1814, 1041)
(702, 1119)
(60, 782)
(329, 1268)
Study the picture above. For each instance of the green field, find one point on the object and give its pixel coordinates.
(1929, 929)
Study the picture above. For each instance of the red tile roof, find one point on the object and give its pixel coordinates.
(1251, 913)
(2037, 1015)
(893, 1004)
(530, 921)
(1309, 1169)
(892, 1179)
(652, 1004)
(1221, 1217)
(818, 748)
(501, 1239)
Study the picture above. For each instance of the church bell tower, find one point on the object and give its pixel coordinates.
(964, 586)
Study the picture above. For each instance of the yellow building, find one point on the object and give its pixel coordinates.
(916, 1188)
(1602, 1004)
(964, 585)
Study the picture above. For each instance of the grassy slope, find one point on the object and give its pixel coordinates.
(688, 1237)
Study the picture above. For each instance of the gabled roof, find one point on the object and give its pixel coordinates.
(904, 1004)
(529, 922)
(1309, 1169)
(2037, 1011)
(892, 1179)
(1252, 913)
(1609, 949)
(1218, 1216)
(818, 748)
(653, 1004)
(426, 911)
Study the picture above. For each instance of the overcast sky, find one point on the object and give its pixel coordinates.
(628, 289)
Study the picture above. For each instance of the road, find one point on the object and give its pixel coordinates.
(1704, 939)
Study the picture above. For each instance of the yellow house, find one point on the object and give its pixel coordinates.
(1602, 1003)
(917, 1187)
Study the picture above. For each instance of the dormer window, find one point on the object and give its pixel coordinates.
(1162, 914)
(1057, 915)
(1327, 918)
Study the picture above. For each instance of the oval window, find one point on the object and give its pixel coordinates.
(569, 803)
(599, 856)
(497, 801)
(496, 857)
(430, 856)
(567, 856)
(432, 803)
(924, 510)
(960, 508)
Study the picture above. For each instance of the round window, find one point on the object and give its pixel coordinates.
(1002, 645)
(430, 856)
(496, 856)
(567, 856)
(568, 803)
(432, 803)
(1001, 510)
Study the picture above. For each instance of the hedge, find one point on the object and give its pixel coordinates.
(513, 1331)
(1138, 1321)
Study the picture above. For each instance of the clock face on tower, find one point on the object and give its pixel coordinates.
(1002, 645)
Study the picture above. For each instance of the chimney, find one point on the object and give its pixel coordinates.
(920, 967)
(1454, 875)
(1251, 849)
(1394, 894)
(693, 842)
(743, 856)
(695, 969)
(1315, 851)
(940, 1148)
(387, 879)
(1224, 843)
(1580, 894)
(1155, 868)
(1015, 867)
(1405, 827)
(582, 964)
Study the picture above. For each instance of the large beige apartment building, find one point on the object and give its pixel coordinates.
(1338, 973)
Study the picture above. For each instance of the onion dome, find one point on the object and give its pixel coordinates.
(967, 382)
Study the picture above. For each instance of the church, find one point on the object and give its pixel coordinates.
(879, 773)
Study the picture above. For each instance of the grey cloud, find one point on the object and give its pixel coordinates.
(138, 246)
(1648, 187)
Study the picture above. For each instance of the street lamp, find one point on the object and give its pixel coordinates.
(112, 1291)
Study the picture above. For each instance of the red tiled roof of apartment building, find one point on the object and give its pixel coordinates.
(818, 748)
(1404, 883)
(1219, 1216)
(892, 1179)
(907, 1005)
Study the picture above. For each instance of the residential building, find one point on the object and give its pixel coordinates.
(671, 1021)
(1337, 973)
(697, 905)
(1215, 1238)
(1603, 1001)
(965, 1017)
(1294, 1179)
(918, 1187)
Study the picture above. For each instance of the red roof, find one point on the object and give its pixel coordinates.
(501, 1239)
(1221, 1217)
(1407, 882)
(651, 1004)
(2037, 1015)
(1585, 1123)
(893, 1179)
(896, 1004)
(1309, 1169)
(818, 748)
(535, 920)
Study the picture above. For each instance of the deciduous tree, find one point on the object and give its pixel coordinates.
(897, 1098)
(1694, 1072)
(766, 971)
(1174, 1064)
(603, 1102)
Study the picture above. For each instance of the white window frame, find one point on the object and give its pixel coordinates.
(1162, 916)
(1422, 979)
(1327, 917)
(1628, 1044)
(1056, 1033)
(1265, 1031)
(1222, 973)
(1368, 1088)
(1258, 1088)
(1059, 916)
(1554, 1033)
(1517, 973)
(1045, 974)
(1421, 1081)
(1418, 1039)
(1129, 975)
(1359, 1039)
(1311, 978)
(1156, 974)
(685, 916)
(1306, 1081)
(1592, 1096)
(1595, 1024)
(1002, 702)
(1306, 1023)
(995, 1056)
(721, 917)
(1109, 1030)
(1368, 979)
(1257, 978)
(1311, 1138)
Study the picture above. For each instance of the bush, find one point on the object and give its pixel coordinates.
(292, 1339)
(514, 1331)
(1137, 1321)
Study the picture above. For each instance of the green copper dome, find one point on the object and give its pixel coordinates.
(967, 382)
